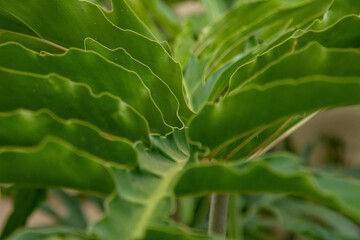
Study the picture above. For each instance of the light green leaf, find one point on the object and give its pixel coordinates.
(36, 126)
(124, 17)
(164, 16)
(257, 142)
(159, 91)
(54, 163)
(278, 173)
(314, 59)
(70, 100)
(338, 9)
(89, 68)
(225, 27)
(339, 35)
(142, 13)
(264, 29)
(183, 45)
(145, 196)
(91, 23)
(34, 43)
(280, 26)
(264, 104)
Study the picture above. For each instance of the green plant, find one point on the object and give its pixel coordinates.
(93, 99)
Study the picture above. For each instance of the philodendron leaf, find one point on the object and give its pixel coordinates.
(91, 69)
(36, 126)
(91, 23)
(145, 196)
(278, 173)
(294, 46)
(70, 100)
(266, 104)
(89, 18)
(226, 26)
(315, 60)
(266, 27)
(34, 43)
(54, 163)
(160, 92)
(163, 16)
(257, 142)
(124, 17)
(339, 35)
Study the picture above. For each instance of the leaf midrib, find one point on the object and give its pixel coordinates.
(160, 193)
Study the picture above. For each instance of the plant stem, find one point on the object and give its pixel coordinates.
(218, 214)
(233, 217)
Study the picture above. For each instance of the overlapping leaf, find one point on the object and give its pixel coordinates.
(26, 200)
(272, 70)
(54, 163)
(36, 126)
(274, 174)
(91, 22)
(145, 196)
(91, 69)
(70, 100)
(52, 232)
(160, 92)
(217, 83)
(264, 105)
(267, 17)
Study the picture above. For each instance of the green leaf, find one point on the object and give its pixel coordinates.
(160, 92)
(35, 43)
(175, 233)
(70, 100)
(54, 163)
(265, 103)
(339, 35)
(163, 16)
(258, 142)
(314, 59)
(337, 10)
(89, 68)
(50, 233)
(183, 45)
(214, 9)
(225, 27)
(91, 23)
(75, 216)
(144, 15)
(124, 17)
(312, 220)
(36, 126)
(278, 173)
(25, 201)
(145, 196)
(214, 70)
